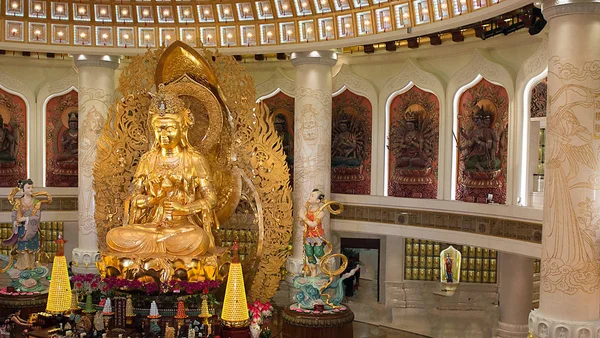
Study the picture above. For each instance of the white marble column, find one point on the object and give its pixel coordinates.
(516, 295)
(312, 138)
(394, 295)
(96, 88)
(570, 271)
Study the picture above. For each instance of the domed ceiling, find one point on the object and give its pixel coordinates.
(237, 23)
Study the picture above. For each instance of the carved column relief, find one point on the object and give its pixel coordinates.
(570, 270)
(312, 137)
(96, 87)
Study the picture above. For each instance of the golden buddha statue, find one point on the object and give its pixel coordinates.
(170, 212)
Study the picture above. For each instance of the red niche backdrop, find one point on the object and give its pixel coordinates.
(413, 144)
(482, 144)
(351, 144)
(13, 139)
(62, 140)
(539, 99)
(282, 110)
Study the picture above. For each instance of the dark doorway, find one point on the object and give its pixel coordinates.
(354, 246)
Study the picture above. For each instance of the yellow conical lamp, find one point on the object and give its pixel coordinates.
(59, 295)
(235, 318)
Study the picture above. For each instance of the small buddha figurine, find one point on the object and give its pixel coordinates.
(171, 209)
(69, 141)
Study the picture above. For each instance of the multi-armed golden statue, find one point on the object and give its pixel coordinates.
(214, 160)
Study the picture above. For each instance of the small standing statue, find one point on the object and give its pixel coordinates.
(450, 260)
(449, 269)
(314, 243)
(25, 239)
(318, 276)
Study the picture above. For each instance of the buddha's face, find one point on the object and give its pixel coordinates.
(167, 132)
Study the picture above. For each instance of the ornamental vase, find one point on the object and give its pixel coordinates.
(88, 303)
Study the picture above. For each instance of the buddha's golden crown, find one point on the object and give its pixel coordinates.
(165, 102)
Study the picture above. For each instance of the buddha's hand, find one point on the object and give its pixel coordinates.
(176, 209)
(142, 201)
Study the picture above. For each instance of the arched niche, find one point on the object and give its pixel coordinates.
(48, 97)
(411, 79)
(533, 71)
(484, 75)
(278, 94)
(351, 136)
(15, 108)
(278, 82)
(61, 112)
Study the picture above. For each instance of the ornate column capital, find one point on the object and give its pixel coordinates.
(555, 8)
(321, 57)
(105, 61)
(84, 261)
(542, 326)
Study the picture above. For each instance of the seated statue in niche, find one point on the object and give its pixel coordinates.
(67, 158)
(480, 149)
(8, 145)
(411, 144)
(347, 149)
(170, 212)
(287, 139)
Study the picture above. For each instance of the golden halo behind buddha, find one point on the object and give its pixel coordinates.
(180, 59)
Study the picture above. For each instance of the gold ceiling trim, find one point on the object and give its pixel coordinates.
(142, 24)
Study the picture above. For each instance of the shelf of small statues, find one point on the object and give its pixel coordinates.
(140, 326)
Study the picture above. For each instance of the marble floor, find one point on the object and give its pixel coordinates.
(374, 320)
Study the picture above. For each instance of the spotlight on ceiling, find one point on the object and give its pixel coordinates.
(458, 36)
(369, 49)
(390, 46)
(237, 57)
(259, 57)
(281, 56)
(486, 34)
(413, 43)
(537, 21)
(435, 39)
(517, 24)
